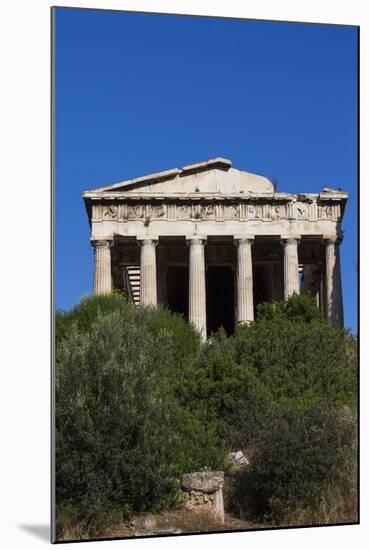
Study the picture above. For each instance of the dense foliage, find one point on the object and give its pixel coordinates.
(123, 433)
(303, 465)
(289, 357)
(139, 401)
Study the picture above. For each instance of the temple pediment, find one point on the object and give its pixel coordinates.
(170, 238)
(215, 176)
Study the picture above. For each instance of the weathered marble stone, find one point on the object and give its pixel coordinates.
(210, 205)
(334, 305)
(102, 271)
(148, 294)
(237, 458)
(245, 300)
(197, 293)
(291, 266)
(205, 493)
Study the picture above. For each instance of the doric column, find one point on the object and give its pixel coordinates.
(291, 266)
(333, 284)
(197, 290)
(148, 284)
(102, 268)
(245, 300)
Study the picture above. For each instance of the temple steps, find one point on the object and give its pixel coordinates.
(133, 282)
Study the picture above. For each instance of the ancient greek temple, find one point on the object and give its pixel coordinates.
(212, 242)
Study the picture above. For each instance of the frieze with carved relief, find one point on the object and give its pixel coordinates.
(183, 212)
(208, 212)
(232, 212)
(329, 212)
(158, 212)
(110, 212)
(135, 212)
(218, 211)
(301, 210)
(278, 212)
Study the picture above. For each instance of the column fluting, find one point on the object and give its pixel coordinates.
(148, 283)
(291, 267)
(102, 267)
(197, 287)
(245, 300)
(333, 283)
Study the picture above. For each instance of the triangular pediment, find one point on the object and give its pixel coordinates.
(213, 176)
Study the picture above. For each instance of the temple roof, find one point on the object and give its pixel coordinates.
(212, 176)
(211, 179)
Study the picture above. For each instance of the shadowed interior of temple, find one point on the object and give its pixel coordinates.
(177, 289)
(262, 284)
(220, 299)
(220, 265)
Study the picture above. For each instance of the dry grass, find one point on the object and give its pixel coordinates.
(344, 510)
(175, 522)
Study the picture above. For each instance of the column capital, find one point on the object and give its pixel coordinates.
(290, 239)
(243, 239)
(148, 241)
(100, 243)
(192, 240)
(333, 238)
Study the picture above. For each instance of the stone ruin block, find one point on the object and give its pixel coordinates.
(205, 493)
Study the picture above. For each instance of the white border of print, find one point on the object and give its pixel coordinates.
(25, 268)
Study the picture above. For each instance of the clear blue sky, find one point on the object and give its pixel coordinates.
(139, 93)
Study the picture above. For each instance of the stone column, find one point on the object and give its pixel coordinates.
(245, 299)
(197, 290)
(333, 284)
(102, 268)
(148, 283)
(291, 266)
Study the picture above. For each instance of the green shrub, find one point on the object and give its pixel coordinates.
(87, 310)
(289, 357)
(286, 375)
(122, 435)
(139, 401)
(297, 355)
(232, 393)
(300, 461)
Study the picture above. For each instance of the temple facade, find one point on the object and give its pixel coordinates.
(212, 242)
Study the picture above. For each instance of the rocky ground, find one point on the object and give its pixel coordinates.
(176, 523)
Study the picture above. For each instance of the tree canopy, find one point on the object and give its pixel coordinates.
(140, 401)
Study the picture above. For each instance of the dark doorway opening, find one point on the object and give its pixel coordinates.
(177, 289)
(220, 299)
